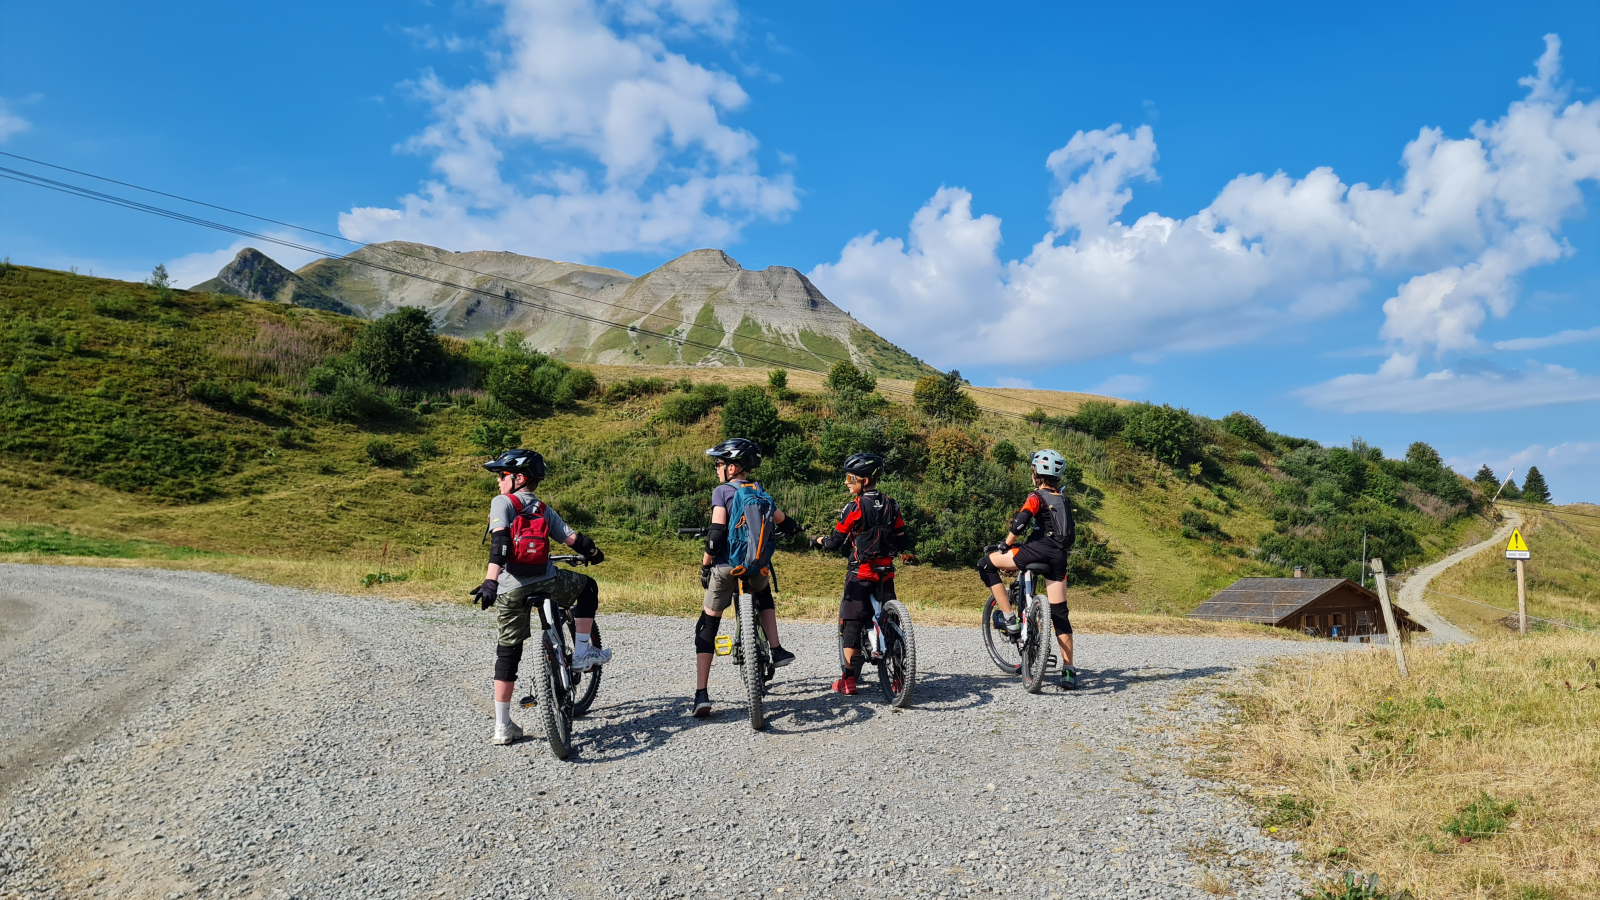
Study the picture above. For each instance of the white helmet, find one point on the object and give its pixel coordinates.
(1049, 463)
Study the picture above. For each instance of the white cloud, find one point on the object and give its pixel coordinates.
(1397, 387)
(1569, 468)
(11, 124)
(625, 140)
(1007, 381)
(1269, 252)
(1570, 336)
(1124, 386)
(191, 269)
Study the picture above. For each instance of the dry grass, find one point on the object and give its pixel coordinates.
(1475, 778)
(1563, 578)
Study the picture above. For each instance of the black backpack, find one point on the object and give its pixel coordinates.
(875, 537)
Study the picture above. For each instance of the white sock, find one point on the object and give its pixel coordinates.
(502, 713)
(583, 643)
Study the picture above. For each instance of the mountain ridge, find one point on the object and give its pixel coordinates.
(699, 309)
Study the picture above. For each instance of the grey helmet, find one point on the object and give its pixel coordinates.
(1048, 463)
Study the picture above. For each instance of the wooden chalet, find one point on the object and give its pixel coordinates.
(1333, 608)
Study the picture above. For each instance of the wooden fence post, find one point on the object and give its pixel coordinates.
(1388, 616)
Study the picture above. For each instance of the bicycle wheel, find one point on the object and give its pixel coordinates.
(753, 670)
(1002, 647)
(1036, 649)
(584, 684)
(897, 674)
(555, 708)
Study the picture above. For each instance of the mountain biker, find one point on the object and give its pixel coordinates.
(513, 587)
(1050, 542)
(872, 525)
(733, 460)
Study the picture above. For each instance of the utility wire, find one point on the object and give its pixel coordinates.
(1549, 511)
(76, 190)
(83, 192)
(1512, 611)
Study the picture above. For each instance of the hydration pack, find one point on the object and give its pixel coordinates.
(874, 539)
(530, 539)
(1057, 527)
(751, 530)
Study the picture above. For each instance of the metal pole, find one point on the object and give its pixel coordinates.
(1363, 557)
(1388, 616)
(1522, 600)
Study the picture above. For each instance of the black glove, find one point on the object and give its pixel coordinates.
(596, 555)
(486, 592)
(996, 547)
(705, 577)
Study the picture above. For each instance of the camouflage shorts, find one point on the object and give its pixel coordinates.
(515, 607)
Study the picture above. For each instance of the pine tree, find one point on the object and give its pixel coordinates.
(1533, 487)
(1486, 477)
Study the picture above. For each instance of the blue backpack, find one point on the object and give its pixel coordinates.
(751, 530)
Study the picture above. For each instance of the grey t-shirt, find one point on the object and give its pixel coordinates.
(500, 515)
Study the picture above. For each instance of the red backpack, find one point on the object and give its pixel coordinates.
(530, 539)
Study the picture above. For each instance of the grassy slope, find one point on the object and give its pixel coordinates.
(295, 500)
(1563, 578)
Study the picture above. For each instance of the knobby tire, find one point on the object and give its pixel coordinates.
(753, 674)
(552, 715)
(1036, 653)
(901, 660)
(1002, 649)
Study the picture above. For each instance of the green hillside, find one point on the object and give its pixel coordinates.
(310, 448)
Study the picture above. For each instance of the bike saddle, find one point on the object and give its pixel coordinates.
(1041, 568)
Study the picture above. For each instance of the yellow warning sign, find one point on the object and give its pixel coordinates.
(1517, 548)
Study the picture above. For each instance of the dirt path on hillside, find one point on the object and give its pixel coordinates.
(174, 734)
(1413, 597)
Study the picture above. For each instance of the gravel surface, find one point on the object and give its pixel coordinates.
(170, 734)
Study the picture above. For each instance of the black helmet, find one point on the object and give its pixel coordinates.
(520, 462)
(737, 450)
(864, 465)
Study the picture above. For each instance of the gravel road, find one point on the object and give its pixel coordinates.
(170, 734)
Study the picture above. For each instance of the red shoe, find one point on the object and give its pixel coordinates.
(845, 685)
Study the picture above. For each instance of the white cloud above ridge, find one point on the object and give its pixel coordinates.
(1468, 216)
(1568, 467)
(1124, 386)
(1397, 387)
(646, 160)
(11, 124)
(1560, 338)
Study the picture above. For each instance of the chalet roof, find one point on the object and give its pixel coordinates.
(1272, 600)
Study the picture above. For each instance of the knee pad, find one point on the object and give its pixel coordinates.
(987, 571)
(851, 629)
(505, 662)
(1060, 619)
(763, 599)
(588, 601)
(705, 633)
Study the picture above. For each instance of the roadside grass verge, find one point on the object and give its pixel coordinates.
(1476, 777)
(1563, 578)
(21, 541)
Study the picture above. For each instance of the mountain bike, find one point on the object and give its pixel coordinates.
(1028, 652)
(561, 692)
(891, 645)
(748, 646)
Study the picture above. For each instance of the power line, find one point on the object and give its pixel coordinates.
(1512, 611)
(1549, 511)
(84, 192)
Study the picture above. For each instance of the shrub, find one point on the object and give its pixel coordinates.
(845, 376)
(636, 482)
(840, 439)
(634, 387)
(401, 348)
(679, 478)
(1420, 454)
(13, 386)
(750, 413)
(493, 437)
(1249, 457)
(1100, 418)
(778, 379)
(941, 397)
(1166, 433)
(355, 399)
(383, 452)
(322, 380)
(1006, 454)
(115, 305)
(208, 391)
(1196, 524)
(1247, 427)
(954, 451)
(242, 393)
(686, 409)
(1072, 474)
(792, 459)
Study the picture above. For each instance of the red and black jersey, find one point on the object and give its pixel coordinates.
(875, 531)
(1050, 515)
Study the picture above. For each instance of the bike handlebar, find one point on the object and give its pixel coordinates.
(572, 559)
(693, 532)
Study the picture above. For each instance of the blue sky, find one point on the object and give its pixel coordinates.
(1240, 209)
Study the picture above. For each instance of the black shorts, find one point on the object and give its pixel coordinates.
(1046, 553)
(857, 601)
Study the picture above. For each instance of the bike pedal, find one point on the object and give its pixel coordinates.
(724, 644)
(527, 702)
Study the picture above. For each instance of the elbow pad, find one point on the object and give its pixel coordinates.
(500, 547)
(1020, 521)
(717, 539)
